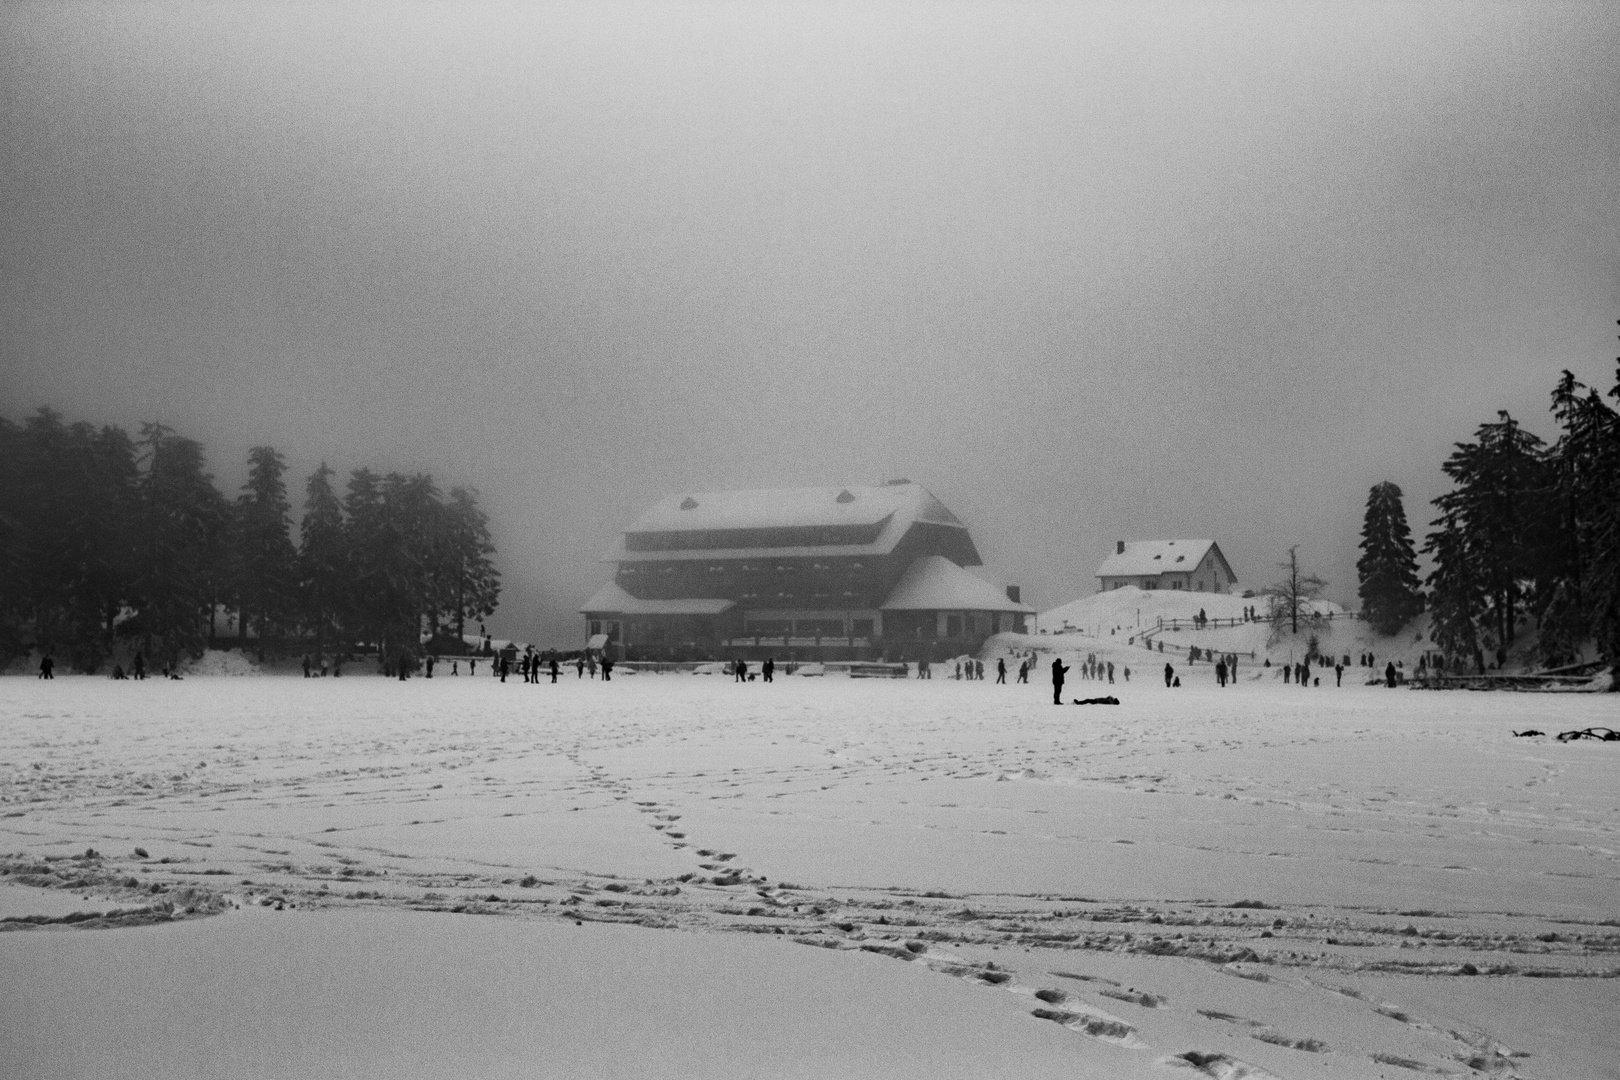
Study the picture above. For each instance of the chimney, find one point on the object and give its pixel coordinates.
(1012, 594)
(1119, 547)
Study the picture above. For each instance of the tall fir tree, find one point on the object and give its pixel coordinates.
(1390, 589)
(185, 520)
(321, 558)
(1495, 513)
(476, 582)
(265, 560)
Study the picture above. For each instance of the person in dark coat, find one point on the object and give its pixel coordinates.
(554, 671)
(1169, 675)
(1389, 674)
(1001, 669)
(607, 668)
(768, 668)
(1059, 669)
(138, 667)
(1220, 672)
(47, 667)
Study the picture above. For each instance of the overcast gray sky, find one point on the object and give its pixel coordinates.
(1086, 271)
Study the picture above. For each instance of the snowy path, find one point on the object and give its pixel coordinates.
(1292, 878)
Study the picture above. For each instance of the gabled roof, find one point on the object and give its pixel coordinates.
(612, 599)
(934, 583)
(1147, 558)
(784, 522)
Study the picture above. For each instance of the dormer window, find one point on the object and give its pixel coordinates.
(689, 503)
(845, 496)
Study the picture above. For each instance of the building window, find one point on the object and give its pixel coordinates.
(862, 627)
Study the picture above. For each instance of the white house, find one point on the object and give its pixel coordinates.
(1192, 565)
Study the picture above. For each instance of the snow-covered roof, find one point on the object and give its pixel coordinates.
(934, 583)
(611, 598)
(1151, 557)
(764, 508)
(786, 522)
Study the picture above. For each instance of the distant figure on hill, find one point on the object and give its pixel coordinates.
(1220, 672)
(1059, 669)
(1001, 669)
(1169, 675)
(47, 667)
(1389, 674)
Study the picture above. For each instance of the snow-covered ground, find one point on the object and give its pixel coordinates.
(1300, 882)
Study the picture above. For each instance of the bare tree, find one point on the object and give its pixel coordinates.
(1293, 597)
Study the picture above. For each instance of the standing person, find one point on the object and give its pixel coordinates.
(607, 668)
(1110, 673)
(1127, 673)
(767, 670)
(1220, 673)
(924, 671)
(1338, 674)
(1286, 669)
(139, 666)
(500, 667)
(1001, 669)
(1169, 674)
(739, 670)
(306, 665)
(1389, 675)
(431, 660)
(47, 667)
(553, 669)
(978, 670)
(590, 663)
(579, 664)
(1023, 671)
(1058, 671)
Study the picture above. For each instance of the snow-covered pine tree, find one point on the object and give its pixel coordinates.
(1390, 595)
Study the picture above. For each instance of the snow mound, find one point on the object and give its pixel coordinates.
(216, 662)
(1120, 607)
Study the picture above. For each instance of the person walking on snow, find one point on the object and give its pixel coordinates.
(1059, 669)
(1001, 669)
(1169, 674)
(1220, 673)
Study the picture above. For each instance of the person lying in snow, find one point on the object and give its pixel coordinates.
(1109, 700)
(1601, 734)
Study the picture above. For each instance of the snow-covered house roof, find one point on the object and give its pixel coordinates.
(1149, 558)
(859, 520)
(934, 583)
(612, 599)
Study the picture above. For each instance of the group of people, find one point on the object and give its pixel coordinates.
(766, 672)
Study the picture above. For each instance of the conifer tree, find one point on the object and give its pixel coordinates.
(265, 558)
(1390, 595)
(321, 558)
(476, 582)
(184, 521)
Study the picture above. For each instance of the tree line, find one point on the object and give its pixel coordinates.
(109, 540)
(1530, 532)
